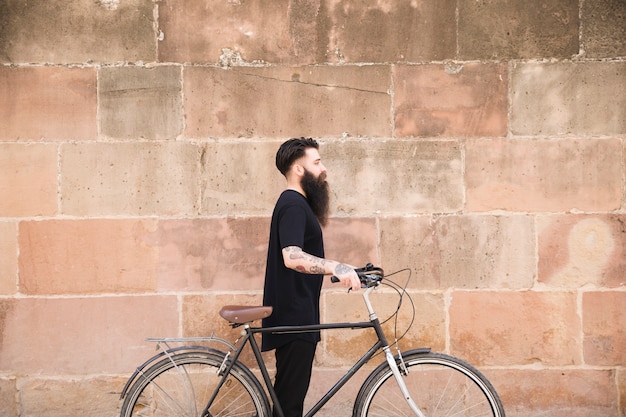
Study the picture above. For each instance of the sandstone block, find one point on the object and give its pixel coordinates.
(8, 397)
(578, 98)
(240, 177)
(140, 102)
(8, 257)
(287, 101)
(523, 328)
(604, 28)
(200, 318)
(394, 177)
(556, 392)
(138, 178)
(96, 397)
(47, 103)
(543, 175)
(396, 31)
(345, 347)
(465, 100)
(350, 240)
(238, 32)
(210, 254)
(99, 335)
(78, 31)
(460, 251)
(604, 325)
(502, 29)
(28, 180)
(578, 250)
(86, 256)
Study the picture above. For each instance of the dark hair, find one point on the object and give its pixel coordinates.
(291, 150)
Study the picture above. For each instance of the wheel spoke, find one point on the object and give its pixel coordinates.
(182, 384)
(440, 386)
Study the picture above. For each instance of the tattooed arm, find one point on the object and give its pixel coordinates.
(295, 258)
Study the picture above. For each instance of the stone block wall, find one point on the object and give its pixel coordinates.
(481, 144)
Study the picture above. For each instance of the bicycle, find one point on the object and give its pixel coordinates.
(200, 381)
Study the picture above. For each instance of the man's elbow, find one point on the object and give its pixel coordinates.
(292, 256)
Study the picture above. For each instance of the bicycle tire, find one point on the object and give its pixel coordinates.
(181, 385)
(440, 385)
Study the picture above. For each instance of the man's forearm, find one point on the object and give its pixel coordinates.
(295, 258)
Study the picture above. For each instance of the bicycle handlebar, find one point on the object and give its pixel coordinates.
(369, 275)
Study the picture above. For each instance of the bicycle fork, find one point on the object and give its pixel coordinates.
(390, 359)
(401, 384)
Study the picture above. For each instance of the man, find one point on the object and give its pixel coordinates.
(296, 267)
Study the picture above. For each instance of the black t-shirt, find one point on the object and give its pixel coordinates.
(294, 296)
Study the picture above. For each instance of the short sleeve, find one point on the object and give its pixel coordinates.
(292, 226)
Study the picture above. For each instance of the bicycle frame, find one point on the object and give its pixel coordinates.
(248, 338)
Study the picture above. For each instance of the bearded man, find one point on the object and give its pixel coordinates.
(296, 267)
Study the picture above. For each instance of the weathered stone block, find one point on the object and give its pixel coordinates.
(580, 98)
(61, 32)
(8, 397)
(396, 31)
(99, 334)
(200, 318)
(450, 100)
(556, 392)
(350, 240)
(344, 348)
(211, 254)
(500, 29)
(603, 32)
(140, 102)
(604, 325)
(394, 177)
(240, 177)
(138, 178)
(86, 256)
(239, 32)
(8, 257)
(287, 101)
(98, 397)
(579, 250)
(461, 251)
(47, 103)
(543, 175)
(28, 180)
(515, 328)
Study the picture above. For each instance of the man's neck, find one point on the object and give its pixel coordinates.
(295, 186)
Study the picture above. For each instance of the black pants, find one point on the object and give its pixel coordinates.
(294, 363)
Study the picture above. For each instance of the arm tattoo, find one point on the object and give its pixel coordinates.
(310, 264)
(342, 269)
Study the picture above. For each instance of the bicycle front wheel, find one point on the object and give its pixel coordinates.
(440, 385)
(182, 384)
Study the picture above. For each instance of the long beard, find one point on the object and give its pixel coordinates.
(318, 195)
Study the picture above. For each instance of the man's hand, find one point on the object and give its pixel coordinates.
(348, 276)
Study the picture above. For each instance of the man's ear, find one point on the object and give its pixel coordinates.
(298, 170)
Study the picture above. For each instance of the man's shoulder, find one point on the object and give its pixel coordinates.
(291, 197)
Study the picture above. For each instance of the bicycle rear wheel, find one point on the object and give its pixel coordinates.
(182, 384)
(440, 385)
